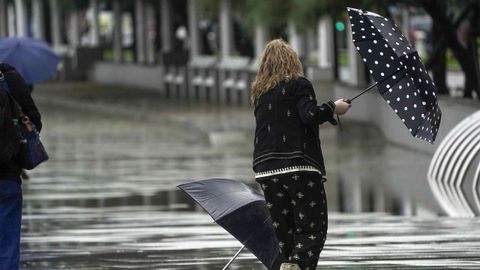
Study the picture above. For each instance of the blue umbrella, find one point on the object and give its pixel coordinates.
(32, 58)
(241, 211)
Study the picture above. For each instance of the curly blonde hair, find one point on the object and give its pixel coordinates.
(278, 62)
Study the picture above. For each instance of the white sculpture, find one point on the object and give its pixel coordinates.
(454, 172)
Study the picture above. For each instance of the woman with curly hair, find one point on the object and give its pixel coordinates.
(287, 159)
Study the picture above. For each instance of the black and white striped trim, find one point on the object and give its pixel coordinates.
(287, 170)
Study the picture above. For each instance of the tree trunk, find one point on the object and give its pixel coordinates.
(465, 59)
(439, 62)
(462, 54)
(473, 47)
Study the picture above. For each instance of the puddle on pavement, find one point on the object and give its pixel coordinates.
(107, 199)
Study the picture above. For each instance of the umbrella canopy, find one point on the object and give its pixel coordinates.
(241, 211)
(401, 77)
(32, 58)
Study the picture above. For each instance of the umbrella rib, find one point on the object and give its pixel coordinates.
(393, 74)
(377, 83)
(389, 45)
(368, 39)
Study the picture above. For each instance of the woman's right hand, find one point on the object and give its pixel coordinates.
(342, 106)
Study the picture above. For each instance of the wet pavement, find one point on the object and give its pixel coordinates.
(107, 199)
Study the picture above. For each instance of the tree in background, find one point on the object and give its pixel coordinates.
(454, 27)
(446, 34)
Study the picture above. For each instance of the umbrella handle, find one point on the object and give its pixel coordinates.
(375, 84)
(364, 91)
(339, 123)
(233, 258)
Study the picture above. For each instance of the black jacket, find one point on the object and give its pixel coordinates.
(20, 91)
(287, 119)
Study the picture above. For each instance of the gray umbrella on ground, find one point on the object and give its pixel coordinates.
(241, 211)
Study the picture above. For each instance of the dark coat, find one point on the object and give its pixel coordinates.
(20, 91)
(287, 119)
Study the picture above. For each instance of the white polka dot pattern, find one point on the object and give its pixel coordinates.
(403, 81)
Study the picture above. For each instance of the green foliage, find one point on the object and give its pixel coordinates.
(343, 59)
(452, 62)
(128, 55)
(271, 13)
(73, 5)
(208, 8)
(305, 13)
(275, 13)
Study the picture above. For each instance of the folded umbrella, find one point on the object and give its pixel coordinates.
(400, 76)
(32, 58)
(241, 211)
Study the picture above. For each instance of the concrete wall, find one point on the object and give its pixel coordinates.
(406, 172)
(141, 76)
(371, 107)
(315, 74)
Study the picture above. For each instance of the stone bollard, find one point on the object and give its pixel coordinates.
(202, 75)
(231, 72)
(169, 78)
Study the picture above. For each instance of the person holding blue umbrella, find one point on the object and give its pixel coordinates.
(10, 169)
(287, 158)
(33, 59)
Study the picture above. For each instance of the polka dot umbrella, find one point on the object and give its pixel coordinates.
(398, 71)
